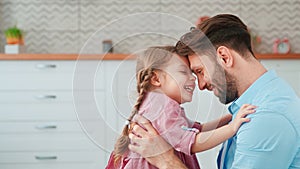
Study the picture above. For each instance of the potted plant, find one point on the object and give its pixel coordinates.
(14, 36)
(14, 40)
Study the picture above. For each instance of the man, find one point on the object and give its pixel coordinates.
(231, 71)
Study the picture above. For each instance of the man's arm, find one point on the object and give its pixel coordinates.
(143, 142)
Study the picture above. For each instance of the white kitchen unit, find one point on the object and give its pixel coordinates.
(63, 114)
(60, 114)
(289, 70)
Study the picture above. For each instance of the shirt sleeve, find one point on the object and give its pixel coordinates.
(174, 127)
(198, 126)
(267, 141)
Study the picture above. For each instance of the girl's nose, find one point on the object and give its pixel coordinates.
(192, 77)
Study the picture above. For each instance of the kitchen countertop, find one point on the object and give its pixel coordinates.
(36, 56)
(113, 56)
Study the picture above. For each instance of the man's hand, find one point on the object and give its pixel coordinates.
(149, 144)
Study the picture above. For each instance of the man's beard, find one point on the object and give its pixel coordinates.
(225, 84)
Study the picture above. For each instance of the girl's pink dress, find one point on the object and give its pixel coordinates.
(169, 119)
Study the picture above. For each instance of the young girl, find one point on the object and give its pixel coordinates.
(164, 81)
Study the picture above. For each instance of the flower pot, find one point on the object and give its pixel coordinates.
(14, 49)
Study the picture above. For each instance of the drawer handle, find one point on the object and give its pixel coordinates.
(47, 126)
(46, 66)
(46, 97)
(46, 157)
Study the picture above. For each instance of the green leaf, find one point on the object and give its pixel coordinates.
(13, 32)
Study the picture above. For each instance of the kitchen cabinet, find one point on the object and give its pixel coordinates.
(289, 70)
(68, 113)
(61, 114)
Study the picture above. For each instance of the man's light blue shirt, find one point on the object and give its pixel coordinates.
(271, 140)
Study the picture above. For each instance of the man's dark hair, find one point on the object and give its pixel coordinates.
(221, 30)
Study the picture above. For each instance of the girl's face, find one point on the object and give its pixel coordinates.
(177, 80)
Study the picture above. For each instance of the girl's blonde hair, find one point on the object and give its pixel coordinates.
(154, 58)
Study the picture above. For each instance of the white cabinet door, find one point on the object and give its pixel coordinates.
(120, 92)
(47, 75)
(39, 127)
(289, 70)
(58, 157)
(49, 115)
(46, 141)
(119, 78)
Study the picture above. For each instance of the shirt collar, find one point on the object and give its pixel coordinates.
(252, 91)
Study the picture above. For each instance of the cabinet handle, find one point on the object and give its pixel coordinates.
(46, 126)
(46, 97)
(46, 157)
(46, 66)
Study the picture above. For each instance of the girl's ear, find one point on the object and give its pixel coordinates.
(155, 81)
(225, 57)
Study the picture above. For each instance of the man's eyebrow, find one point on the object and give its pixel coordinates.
(196, 68)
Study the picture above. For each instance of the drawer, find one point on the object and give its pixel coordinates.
(56, 135)
(48, 81)
(68, 141)
(37, 97)
(40, 127)
(43, 75)
(286, 65)
(53, 66)
(49, 112)
(288, 70)
(292, 78)
(37, 112)
(46, 165)
(20, 66)
(54, 127)
(51, 157)
(58, 160)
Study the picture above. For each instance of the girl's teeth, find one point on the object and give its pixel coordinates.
(188, 88)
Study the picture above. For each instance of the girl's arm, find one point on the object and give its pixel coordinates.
(210, 139)
(216, 123)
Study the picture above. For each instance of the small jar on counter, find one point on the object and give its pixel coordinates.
(107, 46)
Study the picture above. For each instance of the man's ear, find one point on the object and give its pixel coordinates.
(225, 57)
(155, 81)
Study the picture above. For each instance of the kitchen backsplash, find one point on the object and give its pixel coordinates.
(64, 26)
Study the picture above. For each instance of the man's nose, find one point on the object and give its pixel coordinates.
(202, 83)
